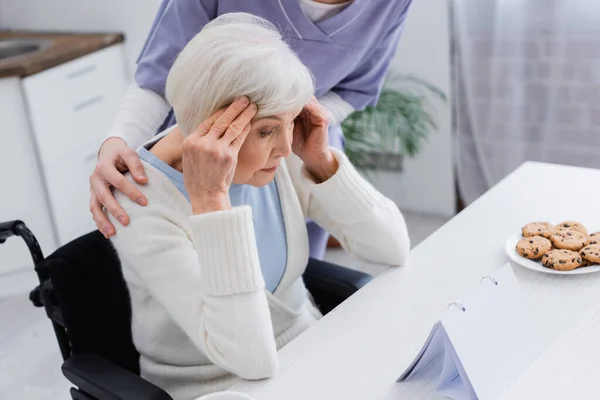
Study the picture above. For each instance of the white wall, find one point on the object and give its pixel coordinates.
(132, 17)
(427, 183)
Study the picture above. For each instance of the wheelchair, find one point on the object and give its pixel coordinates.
(82, 290)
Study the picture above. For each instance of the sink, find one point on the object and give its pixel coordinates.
(18, 47)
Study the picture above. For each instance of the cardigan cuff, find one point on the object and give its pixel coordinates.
(346, 196)
(227, 251)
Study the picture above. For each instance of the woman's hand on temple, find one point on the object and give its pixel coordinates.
(210, 156)
(114, 158)
(311, 141)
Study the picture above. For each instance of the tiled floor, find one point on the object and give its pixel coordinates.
(29, 356)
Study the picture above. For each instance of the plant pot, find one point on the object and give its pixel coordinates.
(382, 161)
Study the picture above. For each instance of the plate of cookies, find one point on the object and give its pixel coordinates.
(566, 248)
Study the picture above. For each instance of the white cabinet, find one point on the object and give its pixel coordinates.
(71, 108)
(77, 81)
(52, 124)
(22, 194)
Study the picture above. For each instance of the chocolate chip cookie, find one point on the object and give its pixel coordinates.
(569, 240)
(545, 229)
(591, 253)
(562, 260)
(533, 247)
(572, 226)
(594, 238)
(586, 263)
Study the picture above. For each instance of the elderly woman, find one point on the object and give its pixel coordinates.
(214, 262)
(347, 44)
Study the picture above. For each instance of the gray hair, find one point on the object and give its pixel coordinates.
(236, 54)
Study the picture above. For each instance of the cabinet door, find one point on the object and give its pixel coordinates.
(71, 109)
(72, 106)
(75, 80)
(69, 192)
(70, 128)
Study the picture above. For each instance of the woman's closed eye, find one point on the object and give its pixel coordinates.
(266, 132)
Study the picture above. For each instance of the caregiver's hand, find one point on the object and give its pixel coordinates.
(210, 156)
(114, 159)
(311, 142)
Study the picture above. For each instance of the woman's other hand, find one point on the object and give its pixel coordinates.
(114, 159)
(311, 141)
(210, 156)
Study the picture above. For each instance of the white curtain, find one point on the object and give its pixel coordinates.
(526, 87)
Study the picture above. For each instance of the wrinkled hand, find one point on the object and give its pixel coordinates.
(311, 142)
(114, 159)
(210, 156)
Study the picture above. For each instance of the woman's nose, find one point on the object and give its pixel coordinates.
(284, 145)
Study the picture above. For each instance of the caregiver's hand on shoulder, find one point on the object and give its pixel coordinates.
(311, 142)
(210, 155)
(114, 159)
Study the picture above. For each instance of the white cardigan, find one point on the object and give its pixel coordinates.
(201, 316)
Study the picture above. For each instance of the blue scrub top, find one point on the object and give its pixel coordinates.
(348, 53)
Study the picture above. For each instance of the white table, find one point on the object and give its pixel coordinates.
(359, 350)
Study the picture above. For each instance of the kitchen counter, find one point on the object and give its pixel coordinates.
(63, 48)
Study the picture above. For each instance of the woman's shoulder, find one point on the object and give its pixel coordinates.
(159, 191)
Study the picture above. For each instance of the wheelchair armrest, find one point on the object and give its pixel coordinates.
(331, 284)
(104, 380)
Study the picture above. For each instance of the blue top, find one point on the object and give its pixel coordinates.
(348, 53)
(269, 226)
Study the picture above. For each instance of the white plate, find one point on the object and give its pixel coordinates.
(537, 265)
(227, 395)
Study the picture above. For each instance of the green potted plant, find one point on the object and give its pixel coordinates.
(380, 137)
